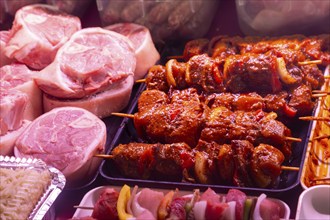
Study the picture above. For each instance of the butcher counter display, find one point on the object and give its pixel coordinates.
(226, 113)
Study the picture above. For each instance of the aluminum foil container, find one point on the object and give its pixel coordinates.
(56, 186)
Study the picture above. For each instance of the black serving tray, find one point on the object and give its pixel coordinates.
(127, 133)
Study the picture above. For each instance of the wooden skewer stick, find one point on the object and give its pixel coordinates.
(132, 117)
(293, 139)
(123, 115)
(319, 95)
(327, 77)
(290, 168)
(312, 118)
(178, 57)
(320, 92)
(321, 179)
(83, 207)
(104, 156)
(320, 137)
(140, 81)
(310, 62)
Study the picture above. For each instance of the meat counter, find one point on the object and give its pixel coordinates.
(225, 22)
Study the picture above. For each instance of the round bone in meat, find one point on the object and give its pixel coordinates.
(90, 62)
(65, 138)
(101, 104)
(37, 33)
(145, 50)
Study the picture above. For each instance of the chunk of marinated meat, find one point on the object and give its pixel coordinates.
(266, 164)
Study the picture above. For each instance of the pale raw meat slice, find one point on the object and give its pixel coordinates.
(145, 50)
(12, 105)
(101, 104)
(7, 141)
(4, 38)
(37, 33)
(19, 77)
(66, 138)
(90, 62)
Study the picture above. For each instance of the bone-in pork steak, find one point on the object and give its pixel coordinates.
(90, 62)
(65, 138)
(37, 33)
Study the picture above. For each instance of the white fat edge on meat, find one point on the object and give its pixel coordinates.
(256, 212)
(34, 19)
(52, 74)
(22, 40)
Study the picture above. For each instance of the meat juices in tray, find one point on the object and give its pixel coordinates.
(194, 128)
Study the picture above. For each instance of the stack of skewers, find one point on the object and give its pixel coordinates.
(222, 113)
(316, 165)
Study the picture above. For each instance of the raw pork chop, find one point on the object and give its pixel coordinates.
(19, 77)
(101, 104)
(66, 138)
(4, 38)
(90, 62)
(146, 53)
(37, 33)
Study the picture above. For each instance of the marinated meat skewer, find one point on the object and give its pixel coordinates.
(297, 48)
(141, 160)
(182, 117)
(262, 73)
(223, 125)
(298, 103)
(238, 163)
(248, 167)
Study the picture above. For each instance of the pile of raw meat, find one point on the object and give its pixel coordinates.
(58, 79)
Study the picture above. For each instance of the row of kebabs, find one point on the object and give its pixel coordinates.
(222, 104)
(203, 144)
(235, 64)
